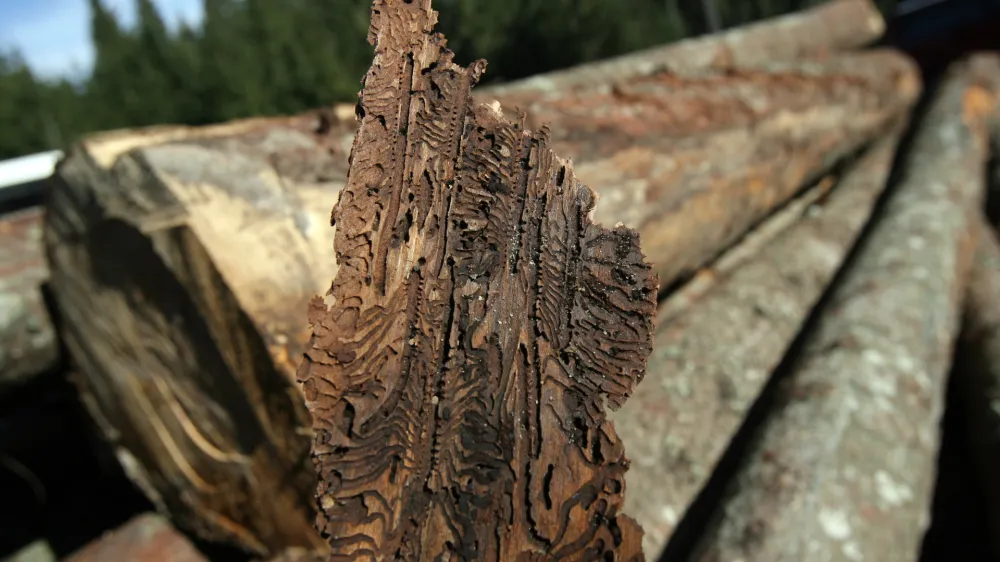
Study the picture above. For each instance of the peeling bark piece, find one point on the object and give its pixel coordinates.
(711, 361)
(147, 537)
(843, 468)
(978, 372)
(28, 342)
(479, 321)
(837, 25)
(694, 160)
(179, 258)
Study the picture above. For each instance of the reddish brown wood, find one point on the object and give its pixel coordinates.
(478, 325)
(147, 537)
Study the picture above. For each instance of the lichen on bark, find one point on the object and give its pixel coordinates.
(478, 325)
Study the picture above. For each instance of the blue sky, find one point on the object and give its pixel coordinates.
(54, 35)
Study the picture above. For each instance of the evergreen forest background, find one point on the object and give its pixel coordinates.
(271, 57)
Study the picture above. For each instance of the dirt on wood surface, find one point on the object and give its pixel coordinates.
(28, 342)
(478, 325)
(843, 467)
(712, 361)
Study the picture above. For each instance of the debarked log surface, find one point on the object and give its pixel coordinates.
(478, 326)
(694, 160)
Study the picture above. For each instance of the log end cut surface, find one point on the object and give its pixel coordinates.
(479, 321)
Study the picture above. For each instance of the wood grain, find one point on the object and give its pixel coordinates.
(477, 327)
(183, 261)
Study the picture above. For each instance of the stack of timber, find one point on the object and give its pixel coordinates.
(495, 287)
(843, 466)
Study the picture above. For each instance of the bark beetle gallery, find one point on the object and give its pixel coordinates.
(460, 363)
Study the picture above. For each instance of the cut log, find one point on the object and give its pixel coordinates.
(147, 537)
(749, 247)
(182, 262)
(28, 342)
(478, 324)
(977, 381)
(843, 467)
(693, 161)
(832, 26)
(713, 358)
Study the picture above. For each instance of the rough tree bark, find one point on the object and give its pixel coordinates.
(28, 343)
(843, 468)
(832, 26)
(182, 262)
(712, 360)
(146, 537)
(478, 324)
(692, 161)
(978, 374)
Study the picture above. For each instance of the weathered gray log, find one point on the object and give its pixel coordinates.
(977, 381)
(711, 360)
(843, 467)
(182, 262)
(147, 538)
(28, 342)
(692, 161)
(832, 26)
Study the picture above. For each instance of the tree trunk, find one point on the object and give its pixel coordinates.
(182, 263)
(712, 359)
(843, 467)
(28, 343)
(693, 161)
(478, 324)
(837, 25)
(978, 375)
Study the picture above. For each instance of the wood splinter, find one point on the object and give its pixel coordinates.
(460, 364)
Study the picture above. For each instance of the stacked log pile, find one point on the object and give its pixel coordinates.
(495, 262)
